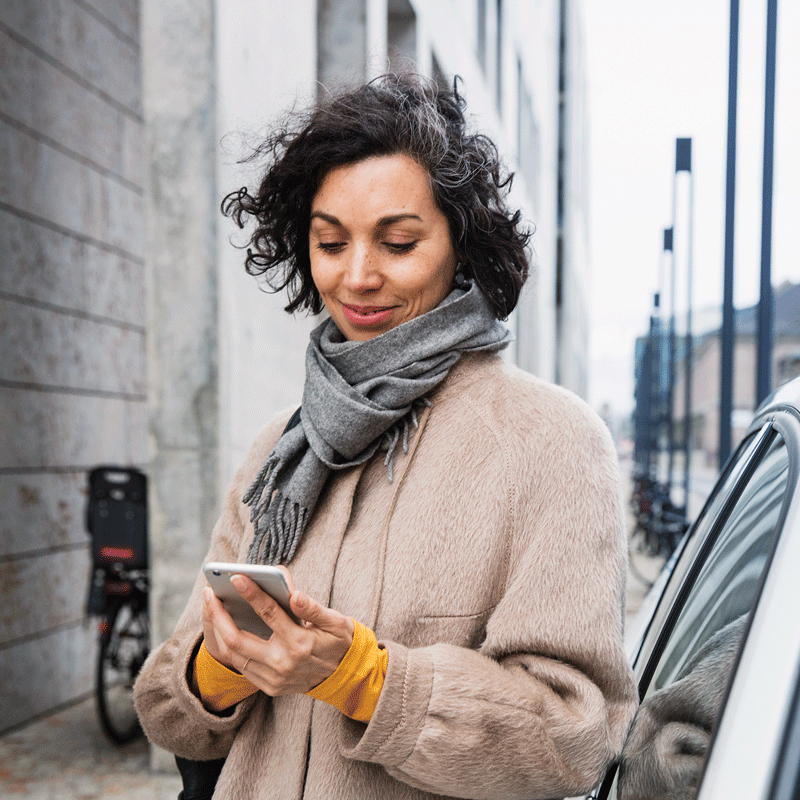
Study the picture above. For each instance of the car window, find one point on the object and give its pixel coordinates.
(726, 587)
(711, 514)
(671, 734)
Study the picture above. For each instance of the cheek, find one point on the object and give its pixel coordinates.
(442, 277)
(432, 289)
(320, 276)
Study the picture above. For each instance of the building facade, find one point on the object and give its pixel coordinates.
(706, 369)
(73, 323)
(132, 334)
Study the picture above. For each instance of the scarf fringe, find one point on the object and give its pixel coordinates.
(278, 531)
(392, 436)
(278, 521)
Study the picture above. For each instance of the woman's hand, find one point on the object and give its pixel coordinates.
(296, 658)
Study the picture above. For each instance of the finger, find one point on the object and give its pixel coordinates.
(227, 635)
(213, 640)
(265, 606)
(214, 611)
(292, 590)
(208, 629)
(289, 579)
(230, 645)
(322, 617)
(206, 596)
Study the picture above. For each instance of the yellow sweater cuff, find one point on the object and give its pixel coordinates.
(355, 686)
(219, 687)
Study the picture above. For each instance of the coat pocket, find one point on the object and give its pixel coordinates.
(461, 630)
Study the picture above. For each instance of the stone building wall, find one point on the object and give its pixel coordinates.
(72, 322)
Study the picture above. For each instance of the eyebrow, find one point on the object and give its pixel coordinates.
(383, 222)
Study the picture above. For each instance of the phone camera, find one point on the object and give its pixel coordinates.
(217, 572)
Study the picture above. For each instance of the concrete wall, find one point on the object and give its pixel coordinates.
(179, 100)
(179, 94)
(530, 66)
(572, 332)
(72, 320)
(262, 349)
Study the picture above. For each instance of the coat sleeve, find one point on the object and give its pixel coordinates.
(543, 706)
(171, 715)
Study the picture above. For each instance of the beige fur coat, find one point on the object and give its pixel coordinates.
(492, 568)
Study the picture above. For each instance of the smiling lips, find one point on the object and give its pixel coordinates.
(367, 315)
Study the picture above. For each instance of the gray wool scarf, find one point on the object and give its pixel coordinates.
(358, 395)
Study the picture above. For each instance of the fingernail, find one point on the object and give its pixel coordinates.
(207, 594)
(238, 582)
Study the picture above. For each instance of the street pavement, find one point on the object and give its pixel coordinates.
(66, 757)
(642, 573)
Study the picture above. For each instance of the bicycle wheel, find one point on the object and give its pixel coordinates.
(123, 649)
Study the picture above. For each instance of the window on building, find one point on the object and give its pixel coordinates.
(498, 74)
(788, 368)
(481, 37)
(401, 36)
(527, 133)
(439, 75)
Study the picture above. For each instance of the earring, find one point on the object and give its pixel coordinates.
(461, 281)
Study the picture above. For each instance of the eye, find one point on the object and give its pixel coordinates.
(330, 247)
(401, 247)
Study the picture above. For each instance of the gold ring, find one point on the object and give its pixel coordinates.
(245, 665)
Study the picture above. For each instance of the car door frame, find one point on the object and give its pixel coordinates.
(681, 573)
(759, 710)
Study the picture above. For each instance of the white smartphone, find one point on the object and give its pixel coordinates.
(269, 579)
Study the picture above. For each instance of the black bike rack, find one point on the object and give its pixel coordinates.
(116, 519)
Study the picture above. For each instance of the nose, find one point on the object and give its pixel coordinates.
(362, 271)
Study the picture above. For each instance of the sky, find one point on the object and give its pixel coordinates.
(658, 70)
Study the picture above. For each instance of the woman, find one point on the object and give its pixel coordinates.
(453, 523)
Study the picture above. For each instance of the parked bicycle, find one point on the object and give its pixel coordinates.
(660, 523)
(116, 519)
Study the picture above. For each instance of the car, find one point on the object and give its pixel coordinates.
(716, 645)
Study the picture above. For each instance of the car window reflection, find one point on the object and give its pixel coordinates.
(668, 743)
(669, 740)
(700, 531)
(727, 584)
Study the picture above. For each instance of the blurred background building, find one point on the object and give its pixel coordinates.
(131, 334)
(706, 371)
(661, 445)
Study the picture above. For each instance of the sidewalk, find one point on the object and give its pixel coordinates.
(642, 572)
(66, 757)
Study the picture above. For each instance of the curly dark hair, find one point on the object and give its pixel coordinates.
(405, 114)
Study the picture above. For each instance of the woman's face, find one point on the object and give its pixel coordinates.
(379, 247)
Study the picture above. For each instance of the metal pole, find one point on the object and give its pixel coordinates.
(642, 409)
(689, 348)
(671, 361)
(673, 292)
(727, 333)
(764, 367)
(652, 427)
(658, 384)
(683, 163)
